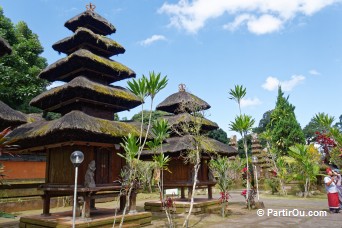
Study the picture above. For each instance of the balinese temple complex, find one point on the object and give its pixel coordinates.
(87, 104)
(181, 106)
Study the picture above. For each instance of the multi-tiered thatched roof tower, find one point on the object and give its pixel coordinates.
(181, 106)
(87, 103)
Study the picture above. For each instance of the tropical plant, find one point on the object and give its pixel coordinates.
(304, 160)
(143, 88)
(220, 169)
(324, 121)
(237, 94)
(243, 125)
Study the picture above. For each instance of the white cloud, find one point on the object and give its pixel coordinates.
(152, 39)
(272, 83)
(264, 16)
(314, 72)
(264, 24)
(245, 102)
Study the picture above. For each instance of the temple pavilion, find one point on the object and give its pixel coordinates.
(87, 103)
(181, 106)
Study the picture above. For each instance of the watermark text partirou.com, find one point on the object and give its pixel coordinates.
(290, 212)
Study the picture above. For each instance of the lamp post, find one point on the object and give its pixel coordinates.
(76, 159)
(255, 161)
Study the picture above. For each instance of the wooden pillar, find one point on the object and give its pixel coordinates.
(46, 204)
(92, 204)
(210, 192)
(133, 202)
(122, 202)
(189, 193)
(86, 204)
(182, 193)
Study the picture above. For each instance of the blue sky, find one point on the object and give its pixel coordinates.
(212, 45)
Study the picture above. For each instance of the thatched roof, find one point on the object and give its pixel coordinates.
(86, 39)
(92, 21)
(5, 48)
(9, 117)
(182, 102)
(176, 121)
(83, 62)
(74, 126)
(115, 97)
(187, 142)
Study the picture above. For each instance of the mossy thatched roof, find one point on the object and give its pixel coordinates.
(91, 20)
(176, 121)
(74, 126)
(5, 48)
(9, 117)
(84, 62)
(86, 39)
(114, 96)
(187, 142)
(182, 102)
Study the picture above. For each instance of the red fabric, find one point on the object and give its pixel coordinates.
(333, 200)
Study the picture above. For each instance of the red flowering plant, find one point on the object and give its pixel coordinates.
(326, 143)
(224, 197)
(252, 193)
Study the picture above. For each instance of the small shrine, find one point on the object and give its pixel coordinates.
(181, 106)
(87, 104)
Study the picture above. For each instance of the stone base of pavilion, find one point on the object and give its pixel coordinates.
(101, 217)
(201, 206)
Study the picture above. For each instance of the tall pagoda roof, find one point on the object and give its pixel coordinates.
(86, 39)
(9, 117)
(176, 121)
(74, 126)
(5, 48)
(91, 20)
(187, 142)
(84, 62)
(114, 97)
(181, 102)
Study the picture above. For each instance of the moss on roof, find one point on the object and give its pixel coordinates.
(182, 102)
(84, 88)
(74, 126)
(85, 38)
(91, 20)
(90, 65)
(10, 117)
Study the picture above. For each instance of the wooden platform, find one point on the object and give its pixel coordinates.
(201, 206)
(101, 217)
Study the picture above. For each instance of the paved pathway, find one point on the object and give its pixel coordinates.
(240, 217)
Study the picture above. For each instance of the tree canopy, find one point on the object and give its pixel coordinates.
(219, 135)
(18, 72)
(283, 126)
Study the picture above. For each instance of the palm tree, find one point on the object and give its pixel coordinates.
(304, 163)
(243, 125)
(237, 94)
(324, 120)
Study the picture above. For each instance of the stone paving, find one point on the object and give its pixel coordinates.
(240, 217)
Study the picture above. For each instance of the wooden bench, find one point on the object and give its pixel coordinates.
(86, 196)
